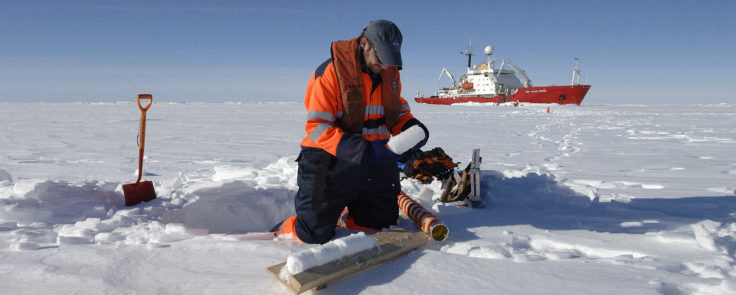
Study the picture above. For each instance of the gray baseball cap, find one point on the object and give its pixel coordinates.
(386, 37)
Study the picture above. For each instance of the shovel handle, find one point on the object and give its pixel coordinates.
(144, 96)
(142, 131)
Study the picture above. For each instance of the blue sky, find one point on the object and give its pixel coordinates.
(648, 52)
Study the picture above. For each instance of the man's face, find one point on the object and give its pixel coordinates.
(371, 59)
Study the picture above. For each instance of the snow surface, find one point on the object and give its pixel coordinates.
(592, 199)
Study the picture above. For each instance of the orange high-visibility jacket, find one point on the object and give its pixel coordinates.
(325, 110)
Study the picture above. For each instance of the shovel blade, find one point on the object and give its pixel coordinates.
(138, 192)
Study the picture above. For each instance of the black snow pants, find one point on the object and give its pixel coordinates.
(327, 185)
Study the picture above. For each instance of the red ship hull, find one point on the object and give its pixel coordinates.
(571, 94)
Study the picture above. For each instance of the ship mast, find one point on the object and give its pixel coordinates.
(469, 53)
(576, 73)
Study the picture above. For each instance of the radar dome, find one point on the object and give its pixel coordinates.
(489, 50)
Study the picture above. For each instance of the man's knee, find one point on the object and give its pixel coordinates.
(319, 236)
(316, 227)
(377, 219)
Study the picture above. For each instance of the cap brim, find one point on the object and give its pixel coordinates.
(388, 55)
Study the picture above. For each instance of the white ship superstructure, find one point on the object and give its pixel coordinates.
(485, 83)
(485, 79)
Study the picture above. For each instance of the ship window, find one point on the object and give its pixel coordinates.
(562, 97)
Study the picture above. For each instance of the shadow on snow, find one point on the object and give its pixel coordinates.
(542, 202)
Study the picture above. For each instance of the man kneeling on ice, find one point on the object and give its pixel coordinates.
(347, 166)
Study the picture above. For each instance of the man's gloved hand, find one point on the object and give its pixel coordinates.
(380, 154)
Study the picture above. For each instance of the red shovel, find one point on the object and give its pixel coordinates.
(140, 191)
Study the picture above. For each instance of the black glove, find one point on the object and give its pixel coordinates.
(378, 153)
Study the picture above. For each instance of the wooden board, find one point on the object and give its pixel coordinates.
(391, 244)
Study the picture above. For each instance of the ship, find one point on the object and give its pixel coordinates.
(485, 83)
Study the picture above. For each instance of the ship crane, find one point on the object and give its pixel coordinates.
(520, 72)
(445, 71)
